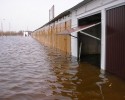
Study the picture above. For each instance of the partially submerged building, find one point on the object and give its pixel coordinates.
(92, 27)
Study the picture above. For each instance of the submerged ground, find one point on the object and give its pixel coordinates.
(32, 71)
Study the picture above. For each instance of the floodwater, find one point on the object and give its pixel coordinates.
(31, 71)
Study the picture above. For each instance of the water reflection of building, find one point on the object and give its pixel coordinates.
(92, 29)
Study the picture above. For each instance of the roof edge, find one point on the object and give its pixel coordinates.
(67, 12)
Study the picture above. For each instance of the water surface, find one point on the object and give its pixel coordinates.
(32, 71)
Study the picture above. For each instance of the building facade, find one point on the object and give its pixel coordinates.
(92, 27)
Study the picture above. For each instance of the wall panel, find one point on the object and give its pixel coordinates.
(48, 35)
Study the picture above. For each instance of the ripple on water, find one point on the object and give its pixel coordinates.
(31, 71)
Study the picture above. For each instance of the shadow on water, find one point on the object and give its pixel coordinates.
(31, 71)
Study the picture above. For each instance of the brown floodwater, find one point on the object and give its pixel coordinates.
(32, 71)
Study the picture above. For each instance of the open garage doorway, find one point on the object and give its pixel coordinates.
(89, 39)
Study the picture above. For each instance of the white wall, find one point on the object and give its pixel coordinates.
(103, 39)
(74, 45)
(25, 34)
(96, 6)
(74, 41)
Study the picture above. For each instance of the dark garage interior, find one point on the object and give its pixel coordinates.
(89, 48)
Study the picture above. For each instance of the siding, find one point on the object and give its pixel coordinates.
(48, 35)
(115, 41)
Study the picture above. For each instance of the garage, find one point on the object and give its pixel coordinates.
(89, 39)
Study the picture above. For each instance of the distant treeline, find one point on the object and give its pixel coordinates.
(11, 33)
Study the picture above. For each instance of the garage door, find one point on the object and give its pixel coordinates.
(115, 41)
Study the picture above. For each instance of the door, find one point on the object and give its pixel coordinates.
(115, 41)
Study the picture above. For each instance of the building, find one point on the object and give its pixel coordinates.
(92, 27)
(27, 33)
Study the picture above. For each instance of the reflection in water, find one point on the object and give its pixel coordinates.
(104, 80)
(31, 71)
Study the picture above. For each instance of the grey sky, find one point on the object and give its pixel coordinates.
(18, 15)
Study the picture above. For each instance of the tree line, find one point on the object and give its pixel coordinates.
(11, 33)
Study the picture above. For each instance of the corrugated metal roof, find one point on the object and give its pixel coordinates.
(67, 12)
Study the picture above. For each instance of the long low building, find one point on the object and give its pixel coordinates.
(92, 28)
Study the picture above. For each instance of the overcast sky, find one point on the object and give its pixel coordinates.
(16, 15)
